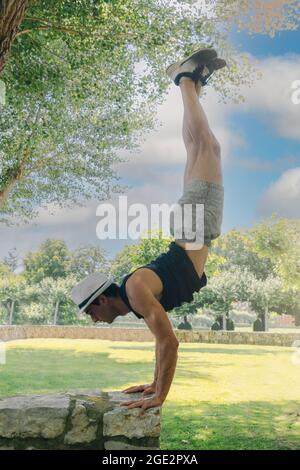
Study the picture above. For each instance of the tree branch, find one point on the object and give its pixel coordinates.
(51, 25)
(40, 28)
(19, 171)
(18, 176)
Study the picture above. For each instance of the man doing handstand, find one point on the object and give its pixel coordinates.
(173, 277)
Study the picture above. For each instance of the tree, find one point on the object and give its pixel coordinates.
(64, 122)
(131, 257)
(4, 270)
(279, 239)
(264, 17)
(271, 295)
(34, 313)
(220, 293)
(51, 260)
(122, 263)
(242, 313)
(215, 263)
(185, 309)
(241, 286)
(149, 247)
(11, 292)
(12, 259)
(270, 248)
(55, 292)
(47, 302)
(54, 259)
(11, 15)
(232, 286)
(238, 248)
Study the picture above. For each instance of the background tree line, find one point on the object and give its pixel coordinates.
(258, 267)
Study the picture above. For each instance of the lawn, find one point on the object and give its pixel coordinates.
(222, 397)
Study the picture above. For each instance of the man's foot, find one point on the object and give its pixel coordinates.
(204, 71)
(189, 66)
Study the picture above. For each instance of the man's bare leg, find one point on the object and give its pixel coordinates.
(202, 147)
(203, 154)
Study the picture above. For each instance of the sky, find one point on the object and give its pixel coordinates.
(260, 141)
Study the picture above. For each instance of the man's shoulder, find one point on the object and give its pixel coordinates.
(144, 277)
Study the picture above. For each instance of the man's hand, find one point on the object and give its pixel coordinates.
(143, 404)
(147, 389)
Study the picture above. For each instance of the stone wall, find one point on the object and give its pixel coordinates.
(77, 420)
(74, 332)
(125, 334)
(236, 337)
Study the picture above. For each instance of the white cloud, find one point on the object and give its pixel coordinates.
(165, 147)
(165, 189)
(53, 215)
(266, 166)
(283, 196)
(78, 225)
(272, 94)
(270, 99)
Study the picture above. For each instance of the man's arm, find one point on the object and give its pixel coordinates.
(156, 373)
(147, 389)
(143, 301)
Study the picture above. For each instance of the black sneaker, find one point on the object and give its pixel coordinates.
(187, 66)
(204, 71)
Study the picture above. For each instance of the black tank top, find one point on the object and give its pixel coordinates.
(178, 275)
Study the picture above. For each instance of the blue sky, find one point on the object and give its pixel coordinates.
(261, 154)
(262, 140)
(263, 46)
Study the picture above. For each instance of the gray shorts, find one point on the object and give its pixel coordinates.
(202, 224)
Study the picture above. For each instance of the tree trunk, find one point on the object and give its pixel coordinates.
(266, 317)
(11, 312)
(9, 185)
(11, 16)
(56, 312)
(13, 176)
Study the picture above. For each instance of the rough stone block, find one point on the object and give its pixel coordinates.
(123, 422)
(76, 420)
(84, 429)
(33, 416)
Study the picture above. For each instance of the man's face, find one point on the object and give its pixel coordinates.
(102, 311)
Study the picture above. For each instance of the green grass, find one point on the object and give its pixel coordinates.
(222, 397)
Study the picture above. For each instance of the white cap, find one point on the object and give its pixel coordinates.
(89, 288)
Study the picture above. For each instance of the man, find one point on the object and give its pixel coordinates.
(171, 279)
